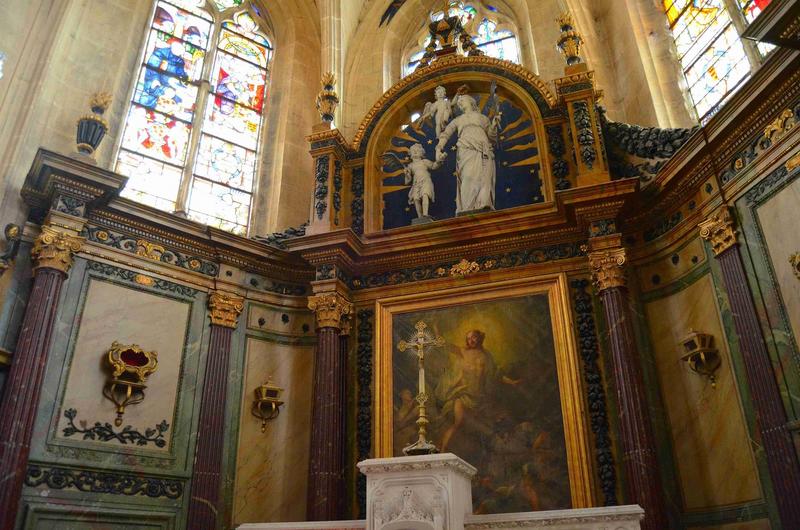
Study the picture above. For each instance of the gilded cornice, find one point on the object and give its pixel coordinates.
(443, 65)
(54, 249)
(207, 244)
(225, 308)
(330, 309)
(719, 231)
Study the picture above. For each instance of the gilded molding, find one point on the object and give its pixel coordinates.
(793, 163)
(608, 268)
(719, 231)
(464, 268)
(330, 309)
(225, 308)
(784, 123)
(794, 261)
(54, 249)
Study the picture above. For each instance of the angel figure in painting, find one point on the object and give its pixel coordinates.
(418, 174)
(475, 165)
(468, 384)
(440, 109)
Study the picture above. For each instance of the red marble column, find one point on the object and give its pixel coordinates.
(326, 491)
(782, 460)
(636, 432)
(204, 508)
(53, 252)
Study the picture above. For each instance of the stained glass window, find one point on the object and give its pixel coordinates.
(715, 59)
(501, 44)
(185, 148)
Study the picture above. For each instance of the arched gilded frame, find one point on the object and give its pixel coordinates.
(192, 133)
(391, 113)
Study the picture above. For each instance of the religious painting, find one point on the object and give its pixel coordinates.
(494, 396)
(462, 153)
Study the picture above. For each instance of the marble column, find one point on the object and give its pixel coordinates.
(607, 259)
(53, 254)
(776, 441)
(326, 491)
(204, 505)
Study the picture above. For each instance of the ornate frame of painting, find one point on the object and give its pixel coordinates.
(555, 286)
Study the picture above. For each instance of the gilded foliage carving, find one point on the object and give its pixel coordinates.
(330, 308)
(608, 268)
(225, 308)
(719, 231)
(54, 249)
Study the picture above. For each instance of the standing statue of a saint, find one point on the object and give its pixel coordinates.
(475, 164)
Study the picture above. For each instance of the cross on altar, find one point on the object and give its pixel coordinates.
(420, 340)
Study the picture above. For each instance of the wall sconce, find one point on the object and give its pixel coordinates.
(699, 352)
(267, 404)
(13, 235)
(130, 367)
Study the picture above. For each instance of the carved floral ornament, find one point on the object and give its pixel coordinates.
(54, 249)
(718, 230)
(330, 308)
(608, 268)
(225, 308)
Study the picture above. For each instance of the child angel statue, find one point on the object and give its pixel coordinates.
(418, 173)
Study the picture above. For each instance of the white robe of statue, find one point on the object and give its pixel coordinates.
(475, 165)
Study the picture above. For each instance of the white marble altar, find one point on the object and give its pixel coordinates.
(427, 492)
(434, 492)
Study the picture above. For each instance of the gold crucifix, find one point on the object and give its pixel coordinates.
(421, 339)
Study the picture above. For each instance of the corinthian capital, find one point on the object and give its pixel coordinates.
(54, 249)
(608, 268)
(330, 308)
(225, 308)
(719, 231)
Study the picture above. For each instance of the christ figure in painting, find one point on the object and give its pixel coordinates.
(468, 384)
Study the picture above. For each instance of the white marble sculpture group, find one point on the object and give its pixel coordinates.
(475, 163)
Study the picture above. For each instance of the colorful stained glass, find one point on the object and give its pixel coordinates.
(158, 128)
(225, 163)
(149, 181)
(239, 81)
(156, 135)
(502, 49)
(719, 70)
(196, 7)
(166, 94)
(710, 49)
(698, 28)
(181, 24)
(219, 206)
(243, 47)
(174, 57)
(222, 5)
(752, 8)
(232, 122)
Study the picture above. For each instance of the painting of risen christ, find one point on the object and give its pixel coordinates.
(493, 399)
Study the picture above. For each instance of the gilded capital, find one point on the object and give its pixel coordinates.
(608, 268)
(719, 231)
(330, 308)
(54, 249)
(225, 308)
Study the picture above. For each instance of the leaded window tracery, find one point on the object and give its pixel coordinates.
(714, 58)
(193, 127)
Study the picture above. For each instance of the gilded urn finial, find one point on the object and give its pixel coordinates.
(92, 128)
(570, 41)
(327, 100)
